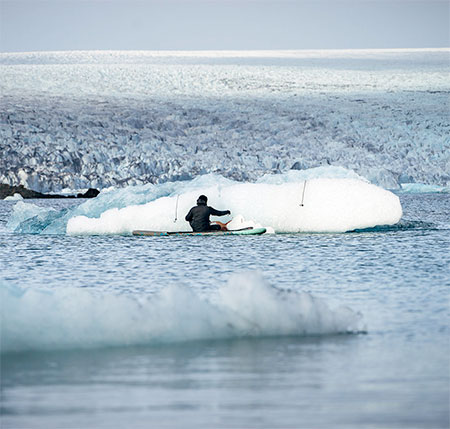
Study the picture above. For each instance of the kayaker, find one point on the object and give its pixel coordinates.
(198, 216)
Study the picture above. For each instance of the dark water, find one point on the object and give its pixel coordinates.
(395, 376)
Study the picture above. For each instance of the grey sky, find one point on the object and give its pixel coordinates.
(33, 25)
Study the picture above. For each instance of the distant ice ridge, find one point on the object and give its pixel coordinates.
(38, 319)
(321, 200)
(100, 119)
(420, 188)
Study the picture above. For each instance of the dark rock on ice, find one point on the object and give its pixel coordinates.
(7, 190)
(90, 193)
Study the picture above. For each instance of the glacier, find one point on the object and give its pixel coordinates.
(74, 120)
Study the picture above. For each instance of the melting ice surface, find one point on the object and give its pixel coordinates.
(245, 307)
(318, 200)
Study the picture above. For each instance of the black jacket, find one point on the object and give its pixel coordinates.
(198, 216)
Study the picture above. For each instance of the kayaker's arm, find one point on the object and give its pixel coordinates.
(215, 212)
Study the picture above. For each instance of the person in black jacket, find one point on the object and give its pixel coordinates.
(198, 216)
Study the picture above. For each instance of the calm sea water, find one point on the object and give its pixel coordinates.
(394, 376)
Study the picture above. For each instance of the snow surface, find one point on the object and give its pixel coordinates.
(244, 307)
(100, 119)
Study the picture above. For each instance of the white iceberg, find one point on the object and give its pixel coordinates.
(15, 197)
(316, 205)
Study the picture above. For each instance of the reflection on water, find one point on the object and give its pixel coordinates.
(282, 382)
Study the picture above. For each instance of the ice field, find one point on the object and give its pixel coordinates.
(73, 120)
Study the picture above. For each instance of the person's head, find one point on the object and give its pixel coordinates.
(202, 200)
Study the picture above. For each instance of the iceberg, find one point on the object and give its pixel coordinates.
(282, 203)
(15, 197)
(421, 188)
(316, 205)
(246, 306)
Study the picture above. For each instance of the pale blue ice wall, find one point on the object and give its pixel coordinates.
(122, 118)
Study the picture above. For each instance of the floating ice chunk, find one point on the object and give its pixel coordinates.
(25, 213)
(317, 205)
(15, 197)
(238, 222)
(422, 188)
(247, 306)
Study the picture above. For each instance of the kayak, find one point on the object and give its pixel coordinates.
(244, 231)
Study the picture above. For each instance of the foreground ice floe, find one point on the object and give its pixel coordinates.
(99, 119)
(38, 319)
